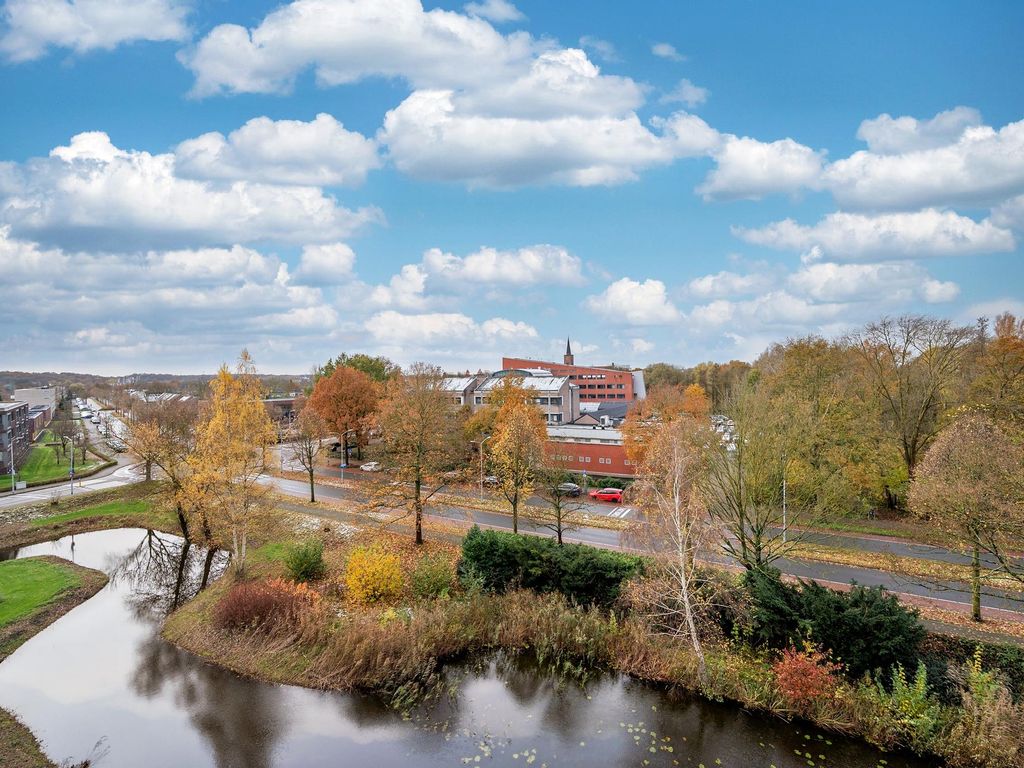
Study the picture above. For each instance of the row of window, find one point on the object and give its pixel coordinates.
(480, 400)
(583, 459)
(602, 396)
(602, 386)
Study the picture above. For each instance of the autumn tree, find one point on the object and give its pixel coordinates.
(163, 435)
(743, 484)
(999, 383)
(310, 431)
(677, 528)
(346, 400)
(232, 441)
(969, 486)
(662, 405)
(517, 444)
(560, 512)
(421, 439)
(695, 402)
(912, 363)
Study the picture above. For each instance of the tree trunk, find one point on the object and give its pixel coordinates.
(976, 584)
(210, 552)
(418, 503)
(515, 516)
(312, 493)
(181, 574)
(182, 522)
(149, 469)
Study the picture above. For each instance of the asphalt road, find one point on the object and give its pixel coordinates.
(956, 594)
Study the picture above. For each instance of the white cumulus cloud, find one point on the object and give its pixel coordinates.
(93, 195)
(667, 51)
(751, 169)
(631, 302)
(687, 93)
(318, 153)
(31, 27)
(498, 11)
(861, 237)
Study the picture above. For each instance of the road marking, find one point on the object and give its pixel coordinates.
(621, 512)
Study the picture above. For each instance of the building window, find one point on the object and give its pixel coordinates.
(541, 401)
(556, 400)
(555, 418)
(479, 400)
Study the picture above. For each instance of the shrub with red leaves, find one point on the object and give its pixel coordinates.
(266, 604)
(804, 676)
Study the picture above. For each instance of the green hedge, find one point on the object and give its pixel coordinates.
(866, 628)
(585, 575)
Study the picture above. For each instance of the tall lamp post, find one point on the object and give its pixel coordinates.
(486, 438)
(71, 474)
(10, 439)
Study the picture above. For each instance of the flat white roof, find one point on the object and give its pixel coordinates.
(457, 383)
(585, 432)
(536, 383)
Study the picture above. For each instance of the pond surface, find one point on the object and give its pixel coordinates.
(101, 683)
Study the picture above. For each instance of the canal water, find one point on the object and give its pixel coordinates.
(101, 684)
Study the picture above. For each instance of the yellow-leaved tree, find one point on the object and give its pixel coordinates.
(232, 441)
(518, 448)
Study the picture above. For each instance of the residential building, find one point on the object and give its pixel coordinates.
(14, 430)
(38, 417)
(595, 383)
(39, 397)
(556, 396)
(596, 450)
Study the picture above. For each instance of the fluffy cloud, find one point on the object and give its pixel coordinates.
(532, 265)
(667, 51)
(727, 283)
(887, 135)
(890, 282)
(855, 237)
(981, 165)
(440, 275)
(687, 93)
(438, 329)
(428, 137)
(348, 40)
(750, 169)
(498, 11)
(317, 153)
(179, 307)
(93, 195)
(33, 26)
(327, 264)
(633, 303)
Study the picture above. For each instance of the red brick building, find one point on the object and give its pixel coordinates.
(595, 383)
(594, 450)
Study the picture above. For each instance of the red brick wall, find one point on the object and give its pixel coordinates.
(595, 458)
(575, 372)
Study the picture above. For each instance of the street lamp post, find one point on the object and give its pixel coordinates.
(71, 474)
(10, 438)
(486, 438)
(784, 526)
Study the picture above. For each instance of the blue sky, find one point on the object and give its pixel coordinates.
(446, 182)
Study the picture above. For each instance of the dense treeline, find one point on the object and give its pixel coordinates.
(852, 417)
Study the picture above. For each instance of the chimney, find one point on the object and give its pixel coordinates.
(568, 359)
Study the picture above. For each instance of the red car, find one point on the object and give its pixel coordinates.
(607, 494)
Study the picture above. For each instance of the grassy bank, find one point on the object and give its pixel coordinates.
(34, 593)
(139, 505)
(328, 635)
(45, 465)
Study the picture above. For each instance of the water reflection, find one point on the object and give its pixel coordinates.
(103, 671)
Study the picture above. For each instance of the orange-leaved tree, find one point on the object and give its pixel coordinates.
(347, 401)
(517, 450)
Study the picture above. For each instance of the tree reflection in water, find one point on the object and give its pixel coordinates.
(240, 720)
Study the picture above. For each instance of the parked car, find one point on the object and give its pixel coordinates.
(569, 489)
(371, 466)
(607, 494)
(491, 480)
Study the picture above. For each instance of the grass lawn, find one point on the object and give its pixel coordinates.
(138, 506)
(43, 465)
(26, 585)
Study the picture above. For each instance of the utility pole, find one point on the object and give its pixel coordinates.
(784, 527)
(486, 438)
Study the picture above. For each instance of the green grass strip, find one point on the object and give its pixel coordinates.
(26, 585)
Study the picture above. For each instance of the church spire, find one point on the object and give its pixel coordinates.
(568, 360)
